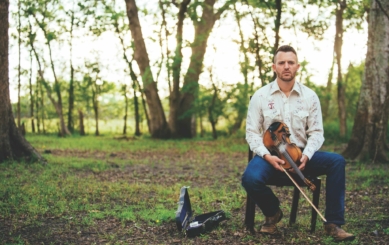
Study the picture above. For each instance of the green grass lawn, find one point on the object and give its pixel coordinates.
(108, 190)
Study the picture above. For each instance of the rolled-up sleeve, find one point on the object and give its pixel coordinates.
(254, 130)
(315, 130)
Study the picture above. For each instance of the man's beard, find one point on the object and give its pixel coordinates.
(287, 79)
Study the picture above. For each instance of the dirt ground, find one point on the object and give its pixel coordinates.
(168, 168)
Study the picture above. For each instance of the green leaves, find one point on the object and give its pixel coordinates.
(51, 36)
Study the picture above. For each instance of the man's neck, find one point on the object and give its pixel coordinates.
(286, 87)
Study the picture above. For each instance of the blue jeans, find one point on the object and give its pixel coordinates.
(332, 165)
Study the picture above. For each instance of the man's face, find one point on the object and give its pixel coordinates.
(285, 66)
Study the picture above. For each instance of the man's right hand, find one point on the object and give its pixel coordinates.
(274, 161)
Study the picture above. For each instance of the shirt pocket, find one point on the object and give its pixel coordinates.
(271, 116)
(300, 119)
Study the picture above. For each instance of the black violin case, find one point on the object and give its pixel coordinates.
(197, 225)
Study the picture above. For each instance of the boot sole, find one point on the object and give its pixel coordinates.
(276, 231)
(350, 238)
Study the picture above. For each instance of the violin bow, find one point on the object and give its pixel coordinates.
(298, 187)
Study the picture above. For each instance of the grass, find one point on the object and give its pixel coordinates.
(115, 190)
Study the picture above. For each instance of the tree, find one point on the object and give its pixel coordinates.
(203, 27)
(19, 66)
(240, 104)
(259, 42)
(73, 23)
(348, 14)
(94, 88)
(32, 101)
(341, 5)
(42, 15)
(124, 90)
(209, 104)
(120, 30)
(175, 95)
(368, 139)
(12, 144)
(215, 107)
(158, 124)
(182, 99)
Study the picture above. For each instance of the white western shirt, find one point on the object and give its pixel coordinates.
(300, 111)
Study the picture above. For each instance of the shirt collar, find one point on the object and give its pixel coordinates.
(275, 87)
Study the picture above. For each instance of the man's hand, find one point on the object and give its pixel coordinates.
(304, 159)
(274, 161)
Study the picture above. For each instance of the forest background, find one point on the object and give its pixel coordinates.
(88, 71)
(119, 131)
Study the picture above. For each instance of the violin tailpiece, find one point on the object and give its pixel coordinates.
(310, 184)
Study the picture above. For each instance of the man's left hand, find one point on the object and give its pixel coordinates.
(304, 159)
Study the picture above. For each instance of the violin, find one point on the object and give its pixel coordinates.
(276, 140)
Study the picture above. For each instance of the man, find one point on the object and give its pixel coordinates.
(296, 105)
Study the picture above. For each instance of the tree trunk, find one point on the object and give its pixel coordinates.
(368, 139)
(158, 125)
(12, 144)
(19, 65)
(213, 120)
(167, 51)
(95, 103)
(136, 110)
(31, 96)
(277, 26)
(42, 105)
(71, 83)
(201, 126)
(71, 100)
(124, 88)
(57, 104)
(134, 83)
(57, 87)
(327, 99)
(81, 118)
(37, 106)
(340, 7)
(175, 94)
(203, 29)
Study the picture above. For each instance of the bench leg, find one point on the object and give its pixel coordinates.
(250, 214)
(316, 197)
(295, 202)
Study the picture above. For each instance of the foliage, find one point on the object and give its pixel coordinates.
(353, 80)
(210, 104)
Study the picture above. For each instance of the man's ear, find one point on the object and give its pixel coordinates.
(274, 67)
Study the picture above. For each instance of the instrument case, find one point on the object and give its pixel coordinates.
(197, 225)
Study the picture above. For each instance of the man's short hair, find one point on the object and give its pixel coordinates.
(284, 48)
